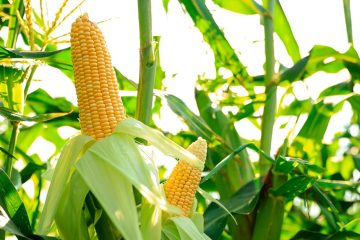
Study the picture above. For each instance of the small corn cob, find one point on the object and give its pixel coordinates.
(100, 106)
(181, 186)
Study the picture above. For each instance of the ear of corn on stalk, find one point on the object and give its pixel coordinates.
(105, 161)
(181, 186)
(100, 106)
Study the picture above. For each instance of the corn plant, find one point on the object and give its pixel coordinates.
(104, 182)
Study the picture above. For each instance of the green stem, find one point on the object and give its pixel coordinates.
(14, 30)
(268, 120)
(270, 213)
(268, 117)
(14, 26)
(10, 95)
(15, 125)
(347, 13)
(147, 63)
(28, 81)
(9, 160)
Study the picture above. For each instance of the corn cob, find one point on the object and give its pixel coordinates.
(181, 186)
(100, 106)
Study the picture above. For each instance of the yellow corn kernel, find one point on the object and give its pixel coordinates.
(100, 106)
(180, 188)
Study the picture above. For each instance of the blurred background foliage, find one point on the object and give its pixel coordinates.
(315, 183)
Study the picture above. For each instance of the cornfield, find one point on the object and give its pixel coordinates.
(179, 120)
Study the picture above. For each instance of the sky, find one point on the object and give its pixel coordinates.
(185, 56)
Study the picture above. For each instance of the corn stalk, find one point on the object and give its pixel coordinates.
(14, 30)
(147, 63)
(270, 214)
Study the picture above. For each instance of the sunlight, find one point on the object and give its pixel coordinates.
(43, 148)
(236, 75)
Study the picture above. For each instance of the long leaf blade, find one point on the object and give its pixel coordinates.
(12, 204)
(14, 116)
(224, 54)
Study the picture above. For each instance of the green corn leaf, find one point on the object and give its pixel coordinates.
(20, 152)
(287, 164)
(241, 6)
(13, 53)
(295, 72)
(40, 102)
(281, 23)
(7, 225)
(338, 89)
(310, 235)
(222, 125)
(242, 202)
(223, 163)
(227, 159)
(322, 58)
(210, 198)
(355, 104)
(294, 187)
(316, 124)
(7, 153)
(13, 206)
(165, 4)
(195, 123)
(14, 116)
(296, 108)
(325, 201)
(60, 59)
(337, 184)
(283, 30)
(124, 82)
(29, 170)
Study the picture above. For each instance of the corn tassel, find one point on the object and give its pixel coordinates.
(180, 188)
(100, 106)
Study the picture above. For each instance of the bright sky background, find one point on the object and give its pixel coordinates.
(184, 54)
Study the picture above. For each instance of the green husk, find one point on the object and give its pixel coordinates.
(110, 168)
(135, 128)
(150, 221)
(122, 154)
(187, 229)
(169, 231)
(69, 218)
(61, 176)
(113, 190)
